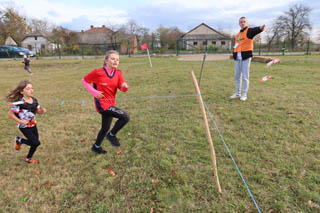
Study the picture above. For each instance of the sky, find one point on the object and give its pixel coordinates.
(185, 14)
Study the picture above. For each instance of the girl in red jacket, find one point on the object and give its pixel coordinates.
(106, 81)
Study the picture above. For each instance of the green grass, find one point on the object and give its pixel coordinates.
(165, 164)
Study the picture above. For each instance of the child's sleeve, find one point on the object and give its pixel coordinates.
(91, 77)
(90, 89)
(38, 107)
(15, 109)
(120, 82)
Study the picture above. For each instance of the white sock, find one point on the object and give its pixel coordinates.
(95, 145)
(112, 134)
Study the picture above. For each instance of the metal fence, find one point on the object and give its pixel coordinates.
(279, 48)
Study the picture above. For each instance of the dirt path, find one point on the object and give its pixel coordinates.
(199, 57)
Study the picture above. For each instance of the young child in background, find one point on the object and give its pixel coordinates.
(106, 81)
(26, 62)
(24, 111)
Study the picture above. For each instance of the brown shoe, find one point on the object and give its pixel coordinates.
(31, 160)
(17, 143)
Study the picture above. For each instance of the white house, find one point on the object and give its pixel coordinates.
(38, 41)
(10, 41)
(202, 36)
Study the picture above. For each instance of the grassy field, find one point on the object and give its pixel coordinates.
(164, 162)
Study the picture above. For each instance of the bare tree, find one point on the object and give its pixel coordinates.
(295, 23)
(41, 25)
(276, 32)
(116, 36)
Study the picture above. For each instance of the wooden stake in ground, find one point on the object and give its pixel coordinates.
(204, 59)
(213, 154)
(149, 57)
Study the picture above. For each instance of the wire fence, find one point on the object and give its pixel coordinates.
(200, 46)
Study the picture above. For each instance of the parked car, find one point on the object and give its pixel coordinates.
(14, 52)
(27, 52)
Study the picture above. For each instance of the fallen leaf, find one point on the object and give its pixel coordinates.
(112, 173)
(30, 179)
(48, 185)
(129, 133)
(154, 180)
(83, 139)
(174, 172)
(57, 196)
(152, 210)
(37, 172)
(290, 112)
(119, 152)
(49, 159)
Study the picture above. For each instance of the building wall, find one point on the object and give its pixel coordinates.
(37, 43)
(203, 36)
(203, 30)
(200, 44)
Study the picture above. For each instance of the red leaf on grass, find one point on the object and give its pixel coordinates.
(48, 185)
(112, 173)
(174, 172)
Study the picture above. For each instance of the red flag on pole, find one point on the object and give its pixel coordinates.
(144, 46)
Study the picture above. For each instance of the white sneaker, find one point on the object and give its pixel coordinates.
(234, 96)
(243, 98)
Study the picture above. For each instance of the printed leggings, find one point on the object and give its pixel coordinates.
(32, 139)
(107, 115)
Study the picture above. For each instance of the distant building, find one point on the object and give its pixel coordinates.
(38, 41)
(202, 36)
(108, 39)
(10, 41)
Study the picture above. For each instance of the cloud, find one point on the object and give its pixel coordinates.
(76, 18)
(185, 14)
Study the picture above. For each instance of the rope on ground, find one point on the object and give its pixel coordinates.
(225, 144)
(83, 101)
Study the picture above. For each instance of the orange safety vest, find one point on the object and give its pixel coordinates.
(245, 44)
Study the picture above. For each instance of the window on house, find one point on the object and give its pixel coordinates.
(195, 43)
(35, 38)
(204, 42)
(214, 42)
(29, 47)
(223, 42)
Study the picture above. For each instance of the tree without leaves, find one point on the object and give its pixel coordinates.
(274, 33)
(40, 25)
(295, 23)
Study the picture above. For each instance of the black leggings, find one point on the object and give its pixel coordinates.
(112, 112)
(32, 139)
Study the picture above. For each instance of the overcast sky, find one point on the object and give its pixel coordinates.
(185, 14)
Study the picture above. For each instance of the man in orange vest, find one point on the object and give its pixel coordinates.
(242, 55)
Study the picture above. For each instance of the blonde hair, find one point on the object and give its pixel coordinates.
(15, 94)
(108, 53)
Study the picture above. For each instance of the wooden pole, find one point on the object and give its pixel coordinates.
(213, 154)
(149, 57)
(204, 59)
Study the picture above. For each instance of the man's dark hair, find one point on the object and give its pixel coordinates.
(242, 17)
